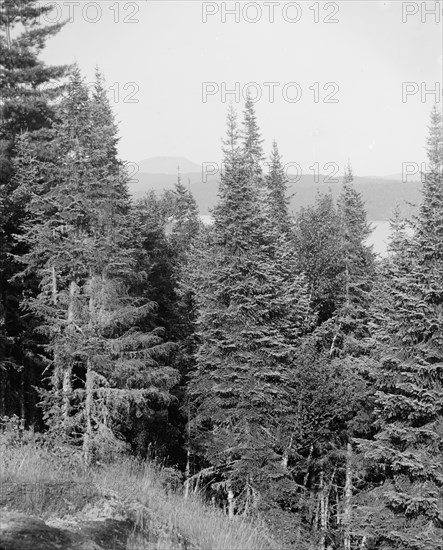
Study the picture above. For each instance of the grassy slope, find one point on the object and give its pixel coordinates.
(51, 485)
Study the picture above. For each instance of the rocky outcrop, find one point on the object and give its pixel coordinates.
(104, 523)
(22, 532)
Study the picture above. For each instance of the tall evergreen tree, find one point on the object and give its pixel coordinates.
(319, 252)
(80, 250)
(251, 312)
(405, 458)
(26, 104)
(359, 269)
(252, 142)
(277, 188)
(165, 228)
(185, 218)
(351, 341)
(28, 89)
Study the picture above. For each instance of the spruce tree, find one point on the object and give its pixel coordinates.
(318, 246)
(80, 250)
(277, 187)
(184, 218)
(405, 458)
(25, 99)
(28, 90)
(351, 340)
(251, 312)
(252, 142)
(351, 317)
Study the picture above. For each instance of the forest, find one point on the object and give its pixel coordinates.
(276, 364)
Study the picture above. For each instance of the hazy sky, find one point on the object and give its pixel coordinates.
(157, 55)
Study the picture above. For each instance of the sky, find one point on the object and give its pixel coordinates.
(351, 80)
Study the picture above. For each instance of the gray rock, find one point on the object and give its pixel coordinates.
(22, 532)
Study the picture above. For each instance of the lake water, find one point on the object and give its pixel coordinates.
(379, 237)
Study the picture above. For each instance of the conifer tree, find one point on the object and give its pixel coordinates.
(277, 187)
(28, 89)
(26, 101)
(251, 312)
(185, 218)
(351, 343)
(252, 142)
(351, 319)
(318, 246)
(405, 459)
(166, 228)
(156, 265)
(80, 249)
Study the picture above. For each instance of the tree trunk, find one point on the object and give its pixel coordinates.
(187, 474)
(3, 379)
(324, 510)
(67, 374)
(87, 437)
(285, 457)
(331, 351)
(71, 308)
(23, 395)
(308, 465)
(249, 497)
(57, 376)
(231, 503)
(67, 391)
(32, 383)
(338, 514)
(188, 456)
(54, 286)
(347, 499)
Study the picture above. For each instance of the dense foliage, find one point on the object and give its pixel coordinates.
(288, 372)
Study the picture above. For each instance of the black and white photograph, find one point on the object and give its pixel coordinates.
(221, 275)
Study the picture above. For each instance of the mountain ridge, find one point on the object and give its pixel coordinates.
(380, 195)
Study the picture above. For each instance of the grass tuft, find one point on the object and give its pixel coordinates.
(51, 483)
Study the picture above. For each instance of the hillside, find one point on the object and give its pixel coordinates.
(167, 165)
(380, 195)
(48, 501)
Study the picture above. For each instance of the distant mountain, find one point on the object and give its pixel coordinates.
(167, 165)
(398, 177)
(381, 195)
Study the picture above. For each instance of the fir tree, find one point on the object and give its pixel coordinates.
(351, 341)
(351, 318)
(318, 246)
(251, 312)
(28, 89)
(185, 218)
(165, 228)
(80, 249)
(405, 458)
(252, 141)
(277, 186)
(26, 102)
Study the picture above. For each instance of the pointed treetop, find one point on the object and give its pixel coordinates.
(252, 142)
(398, 237)
(180, 189)
(230, 146)
(429, 223)
(277, 202)
(434, 141)
(348, 176)
(99, 89)
(103, 117)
